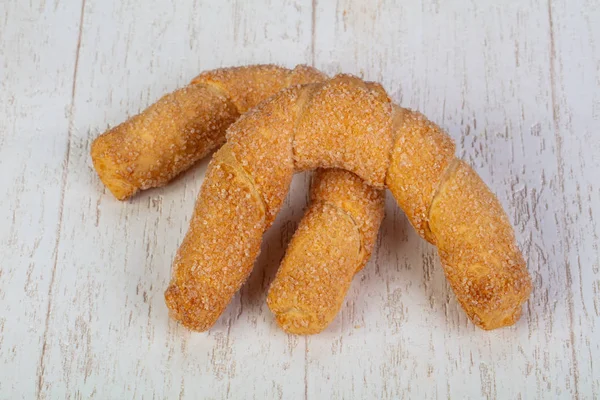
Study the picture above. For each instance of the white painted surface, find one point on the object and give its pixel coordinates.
(82, 275)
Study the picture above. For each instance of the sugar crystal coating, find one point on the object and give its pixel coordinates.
(167, 138)
(264, 147)
(346, 125)
(153, 147)
(311, 283)
(349, 124)
(182, 127)
(201, 287)
(249, 86)
(332, 243)
(478, 250)
(421, 155)
(343, 123)
(204, 280)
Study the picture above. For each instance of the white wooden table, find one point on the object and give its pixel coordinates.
(82, 275)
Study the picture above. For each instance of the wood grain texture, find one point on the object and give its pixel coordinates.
(82, 279)
(36, 96)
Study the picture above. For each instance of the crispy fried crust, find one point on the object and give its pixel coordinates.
(167, 138)
(348, 124)
(332, 243)
(421, 155)
(184, 126)
(478, 249)
(204, 280)
(250, 85)
(264, 146)
(349, 193)
(345, 125)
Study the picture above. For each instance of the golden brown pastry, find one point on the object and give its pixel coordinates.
(184, 126)
(349, 124)
(333, 242)
(167, 138)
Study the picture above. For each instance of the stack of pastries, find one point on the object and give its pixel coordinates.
(269, 122)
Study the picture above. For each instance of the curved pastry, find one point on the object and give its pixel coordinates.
(184, 126)
(349, 124)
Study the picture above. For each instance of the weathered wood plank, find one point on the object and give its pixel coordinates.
(575, 73)
(36, 95)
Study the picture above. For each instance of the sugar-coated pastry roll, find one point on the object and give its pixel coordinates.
(167, 138)
(350, 124)
(334, 241)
